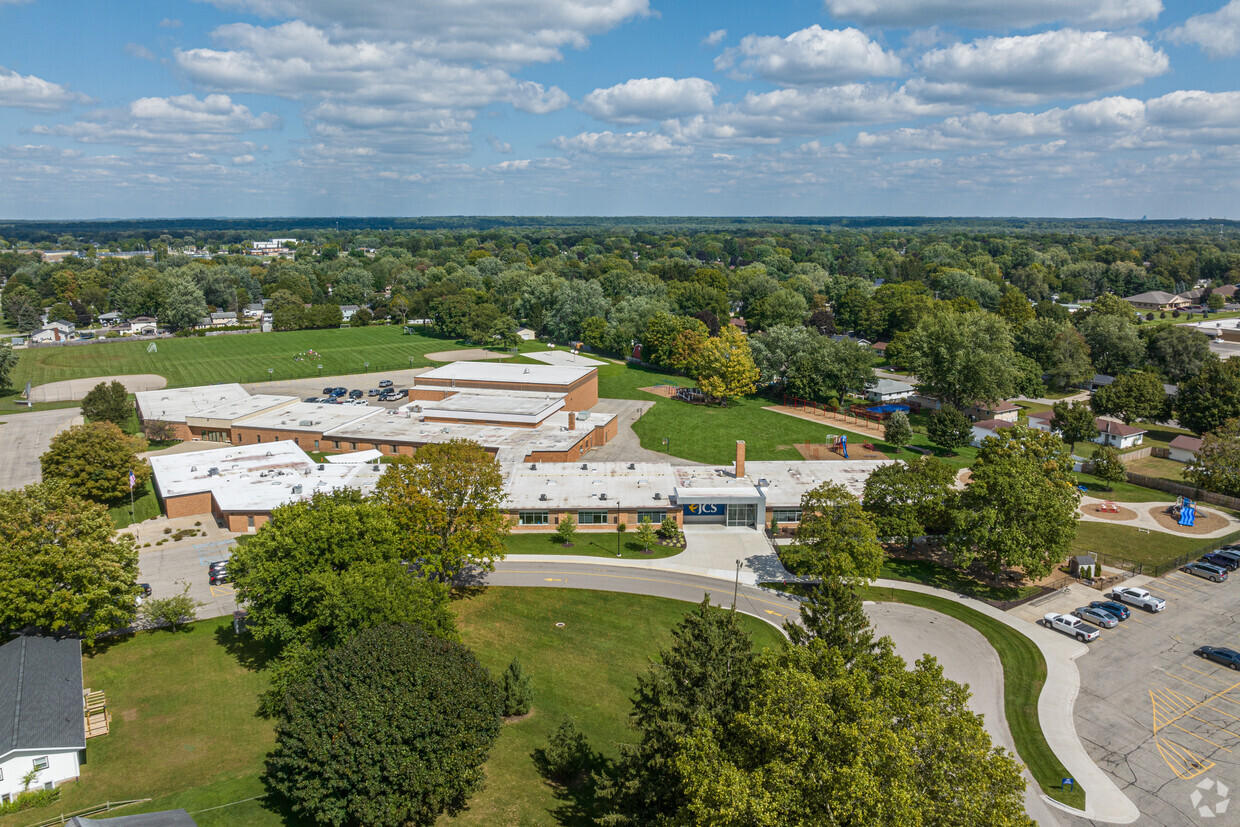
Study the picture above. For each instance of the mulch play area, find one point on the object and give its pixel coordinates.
(819, 451)
(1120, 513)
(1207, 522)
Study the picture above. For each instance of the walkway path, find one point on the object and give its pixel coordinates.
(1143, 518)
(25, 437)
(78, 388)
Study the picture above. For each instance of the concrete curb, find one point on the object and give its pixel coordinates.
(1104, 800)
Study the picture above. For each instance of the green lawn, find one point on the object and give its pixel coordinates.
(145, 507)
(1024, 673)
(1121, 492)
(1152, 548)
(932, 574)
(185, 731)
(242, 358)
(588, 543)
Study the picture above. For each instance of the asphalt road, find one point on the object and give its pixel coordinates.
(25, 437)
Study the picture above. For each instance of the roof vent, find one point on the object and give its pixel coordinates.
(527, 370)
(268, 453)
(296, 489)
(763, 481)
(213, 472)
(305, 423)
(193, 468)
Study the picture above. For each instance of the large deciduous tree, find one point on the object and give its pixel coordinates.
(447, 502)
(836, 539)
(1075, 422)
(871, 742)
(949, 429)
(1019, 508)
(706, 676)
(725, 368)
(1113, 342)
(909, 498)
(1131, 397)
(1178, 351)
(1205, 401)
(8, 360)
(183, 305)
(96, 459)
(390, 730)
(323, 569)
(897, 430)
(63, 567)
(108, 401)
(1217, 465)
(962, 358)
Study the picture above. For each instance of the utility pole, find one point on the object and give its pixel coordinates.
(737, 585)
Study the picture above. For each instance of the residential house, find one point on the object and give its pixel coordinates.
(42, 720)
(1005, 410)
(527, 334)
(113, 318)
(140, 326)
(888, 390)
(1110, 432)
(1157, 300)
(988, 427)
(253, 311)
(347, 311)
(1184, 448)
(223, 319)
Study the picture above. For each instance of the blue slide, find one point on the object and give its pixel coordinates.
(1188, 513)
(844, 446)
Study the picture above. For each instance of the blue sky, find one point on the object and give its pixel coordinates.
(172, 108)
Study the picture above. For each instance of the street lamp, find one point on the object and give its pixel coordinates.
(619, 523)
(737, 585)
(270, 371)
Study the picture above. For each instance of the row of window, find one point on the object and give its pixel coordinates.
(585, 517)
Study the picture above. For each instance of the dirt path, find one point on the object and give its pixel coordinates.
(78, 388)
(471, 354)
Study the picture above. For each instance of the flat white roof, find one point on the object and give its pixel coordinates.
(498, 372)
(521, 403)
(356, 457)
(237, 408)
(256, 477)
(564, 357)
(600, 485)
(175, 404)
(787, 482)
(312, 416)
(510, 444)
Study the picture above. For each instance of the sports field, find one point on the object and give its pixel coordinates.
(239, 358)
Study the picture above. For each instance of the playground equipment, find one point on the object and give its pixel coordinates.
(1184, 511)
(1109, 507)
(843, 446)
(838, 444)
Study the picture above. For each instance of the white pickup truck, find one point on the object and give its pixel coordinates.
(1139, 597)
(1070, 625)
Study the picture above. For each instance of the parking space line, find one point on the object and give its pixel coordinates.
(1177, 588)
(1197, 584)
(222, 591)
(1204, 674)
(1181, 760)
(1221, 712)
(1211, 723)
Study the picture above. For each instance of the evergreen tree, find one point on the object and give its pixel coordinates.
(832, 612)
(897, 430)
(517, 690)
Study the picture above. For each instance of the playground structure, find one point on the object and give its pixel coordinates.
(1184, 511)
(839, 444)
(695, 397)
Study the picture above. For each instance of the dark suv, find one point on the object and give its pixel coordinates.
(218, 576)
(356, 394)
(1223, 561)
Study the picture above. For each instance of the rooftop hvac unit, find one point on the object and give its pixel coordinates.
(527, 370)
(603, 495)
(583, 415)
(374, 468)
(296, 489)
(632, 467)
(763, 481)
(193, 468)
(542, 498)
(213, 472)
(320, 467)
(585, 467)
(658, 496)
(533, 466)
(268, 453)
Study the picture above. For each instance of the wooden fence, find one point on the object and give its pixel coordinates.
(1181, 490)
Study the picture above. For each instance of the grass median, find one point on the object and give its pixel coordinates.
(1024, 673)
(588, 544)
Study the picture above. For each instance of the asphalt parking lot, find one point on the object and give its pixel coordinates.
(1164, 723)
(168, 568)
(304, 388)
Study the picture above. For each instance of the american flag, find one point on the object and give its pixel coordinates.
(132, 480)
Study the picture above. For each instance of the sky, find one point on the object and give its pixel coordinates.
(199, 108)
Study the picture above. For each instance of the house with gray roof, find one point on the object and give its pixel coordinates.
(42, 723)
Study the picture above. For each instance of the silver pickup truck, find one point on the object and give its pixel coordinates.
(1070, 625)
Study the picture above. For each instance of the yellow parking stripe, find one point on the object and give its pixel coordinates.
(1195, 735)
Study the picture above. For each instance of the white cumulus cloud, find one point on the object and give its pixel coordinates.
(645, 99)
(812, 57)
(715, 38)
(1217, 33)
(620, 145)
(1044, 66)
(34, 93)
(994, 13)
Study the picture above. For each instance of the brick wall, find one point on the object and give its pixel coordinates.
(189, 505)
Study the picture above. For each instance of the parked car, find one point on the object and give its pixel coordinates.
(1223, 561)
(328, 391)
(385, 383)
(1070, 626)
(1119, 610)
(312, 399)
(339, 391)
(218, 577)
(1098, 617)
(1229, 552)
(1139, 597)
(1220, 654)
(216, 564)
(1215, 574)
(356, 394)
(374, 392)
(145, 589)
